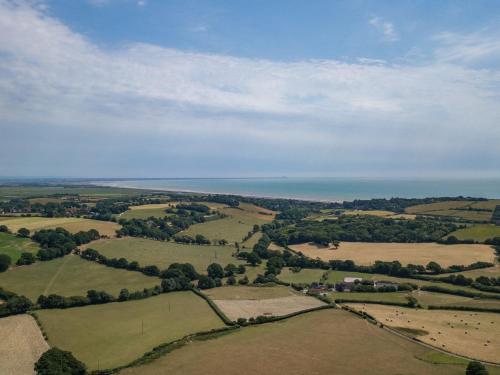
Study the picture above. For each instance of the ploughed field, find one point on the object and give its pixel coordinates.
(321, 342)
(71, 276)
(21, 345)
(251, 302)
(14, 246)
(71, 224)
(114, 334)
(366, 253)
(472, 334)
(162, 254)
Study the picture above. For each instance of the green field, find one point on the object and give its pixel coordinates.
(143, 213)
(375, 297)
(162, 254)
(450, 208)
(477, 232)
(71, 275)
(322, 342)
(235, 226)
(9, 192)
(114, 334)
(14, 246)
(305, 276)
(250, 243)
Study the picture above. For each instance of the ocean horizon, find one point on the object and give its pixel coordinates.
(321, 188)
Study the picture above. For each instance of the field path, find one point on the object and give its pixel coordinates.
(53, 279)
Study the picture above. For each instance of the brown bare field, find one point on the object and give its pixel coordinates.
(472, 334)
(21, 345)
(249, 292)
(248, 308)
(366, 253)
(321, 342)
(71, 224)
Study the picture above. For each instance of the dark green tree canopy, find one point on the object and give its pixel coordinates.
(58, 362)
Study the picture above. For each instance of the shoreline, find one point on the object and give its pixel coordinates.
(218, 193)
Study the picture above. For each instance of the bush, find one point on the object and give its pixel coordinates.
(5, 262)
(476, 368)
(58, 362)
(25, 259)
(23, 232)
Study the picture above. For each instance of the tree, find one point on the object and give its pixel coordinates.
(253, 259)
(25, 259)
(124, 295)
(215, 270)
(3, 228)
(231, 280)
(5, 262)
(434, 267)
(58, 362)
(205, 282)
(476, 368)
(23, 232)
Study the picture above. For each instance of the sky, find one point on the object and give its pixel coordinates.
(185, 88)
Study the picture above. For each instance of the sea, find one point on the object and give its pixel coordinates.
(321, 189)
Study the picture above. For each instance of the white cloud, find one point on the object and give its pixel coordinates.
(386, 28)
(52, 77)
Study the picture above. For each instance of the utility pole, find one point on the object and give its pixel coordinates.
(142, 327)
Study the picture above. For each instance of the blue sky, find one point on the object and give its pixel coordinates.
(143, 88)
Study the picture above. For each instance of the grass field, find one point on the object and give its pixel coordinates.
(379, 213)
(305, 276)
(114, 334)
(477, 232)
(250, 243)
(21, 345)
(71, 276)
(234, 227)
(445, 329)
(146, 210)
(488, 272)
(440, 299)
(376, 297)
(249, 292)
(322, 342)
(162, 254)
(366, 253)
(450, 208)
(9, 192)
(14, 246)
(71, 224)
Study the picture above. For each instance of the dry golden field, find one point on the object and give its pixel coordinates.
(71, 224)
(366, 253)
(472, 334)
(249, 292)
(21, 345)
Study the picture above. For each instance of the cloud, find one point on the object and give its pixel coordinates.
(468, 48)
(212, 114)
(386, 28)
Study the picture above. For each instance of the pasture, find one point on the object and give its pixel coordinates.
(445, 329)
(460, 209)
(14, 246)
(250, 243)
(114, 334)
(71, 224)
(21, 345)
(440, 299)
(9, 192)
(249, 292)
(235, 226)
(146, 210)
(305, 276)
(70, 276)
(378, 213)
(321, 342)
(477, 232)
(366, 253)
(162, 254)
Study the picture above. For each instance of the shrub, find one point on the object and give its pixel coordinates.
(58, 362)
(5, 262)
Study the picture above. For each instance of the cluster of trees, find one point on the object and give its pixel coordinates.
(199, 239)
(58, 362)
(254, 230)
(495, 217)
(193, 207)
(215, 273)
(59, 242)
(50, 209)
(13, 303)
(362, 229)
